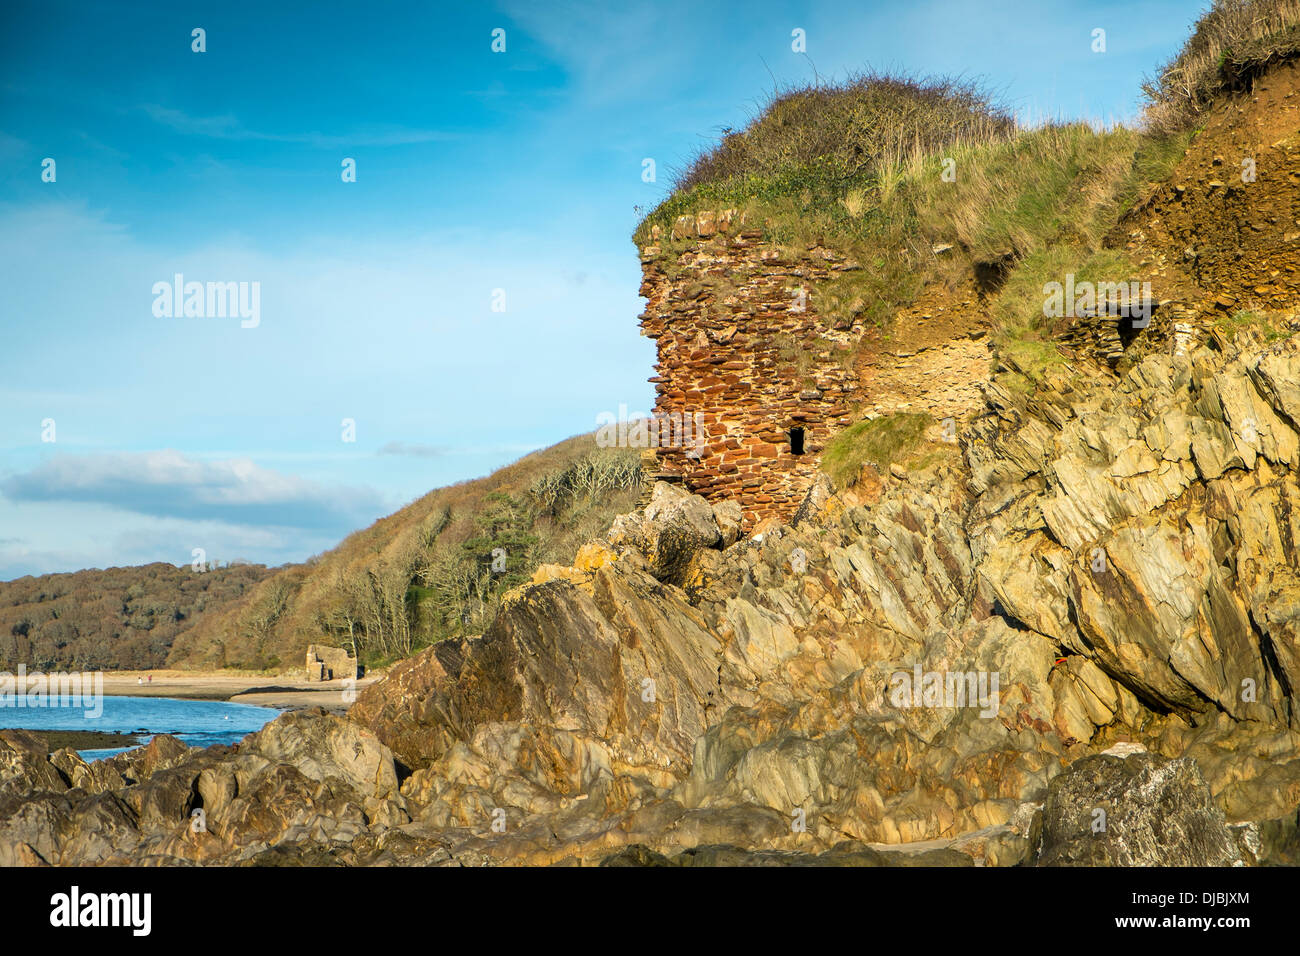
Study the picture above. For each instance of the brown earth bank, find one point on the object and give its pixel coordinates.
(1224, 233)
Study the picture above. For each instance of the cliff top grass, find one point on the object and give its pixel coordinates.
(925, 180)
(825, 140)
(943, 188)
(1235, 42)
(865, 133)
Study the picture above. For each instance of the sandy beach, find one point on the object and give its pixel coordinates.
(285, 693)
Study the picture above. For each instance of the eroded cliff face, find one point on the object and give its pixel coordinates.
(1119, 551)
(1224, 232)
(1110, 565)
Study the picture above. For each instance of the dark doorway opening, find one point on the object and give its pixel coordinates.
(1128, 330)
(796, 441)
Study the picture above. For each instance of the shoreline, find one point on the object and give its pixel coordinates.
(53, 740)
(261, 690)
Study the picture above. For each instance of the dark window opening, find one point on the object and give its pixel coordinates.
(796, 441)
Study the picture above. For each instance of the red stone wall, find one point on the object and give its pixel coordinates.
(741, 346)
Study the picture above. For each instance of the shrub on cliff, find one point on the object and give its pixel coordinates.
(1235, 42)
(841, 132)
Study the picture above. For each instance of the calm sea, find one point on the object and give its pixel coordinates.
(200, 723)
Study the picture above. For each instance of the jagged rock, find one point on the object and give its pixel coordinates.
(1128, 570)
(1119, 551)
(674, 526)
(728, 516)
(33, 825)
(813, 507)
(97, 777)
(1140, 810)
(101, 829)
(24, 766)
(323, 747)
(399, 708)
(843, 854)
(636, 855)
(165, 798)
(160, 753)
(1275, 842)
(306, 778)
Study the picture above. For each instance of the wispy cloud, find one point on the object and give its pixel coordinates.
(609, 65)
(228, 127)
(170, 484)
(412, 448)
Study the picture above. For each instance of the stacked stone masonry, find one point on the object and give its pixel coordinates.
(743, 352)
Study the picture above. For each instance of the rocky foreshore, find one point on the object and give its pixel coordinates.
(53, 740)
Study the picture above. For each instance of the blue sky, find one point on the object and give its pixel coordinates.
(475, 172)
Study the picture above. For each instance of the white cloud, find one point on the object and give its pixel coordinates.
(170, 484)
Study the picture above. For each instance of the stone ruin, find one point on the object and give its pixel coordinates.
(744, 358)
(325, 663)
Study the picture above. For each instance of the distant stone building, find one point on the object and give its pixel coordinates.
(743, 356)
(329, 663)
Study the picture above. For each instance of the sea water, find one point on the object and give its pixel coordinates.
(199, 723)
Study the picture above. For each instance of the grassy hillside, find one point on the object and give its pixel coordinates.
(426, 572)
(114, 619)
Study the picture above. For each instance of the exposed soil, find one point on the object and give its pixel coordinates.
(932, 359)
(1213, 240)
